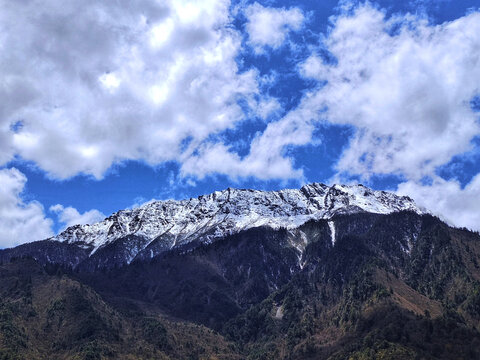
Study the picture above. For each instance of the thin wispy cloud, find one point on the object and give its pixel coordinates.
(269, 27)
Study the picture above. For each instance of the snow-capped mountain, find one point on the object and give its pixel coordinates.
(358, 260)
(169, 224)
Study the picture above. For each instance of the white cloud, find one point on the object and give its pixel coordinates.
(447, 199)
(404, 84)
(270, 26)
(267, 158)
(20, 221)
(98, 82)
(70, 216)
(267, 107)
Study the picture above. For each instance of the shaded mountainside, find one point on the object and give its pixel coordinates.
(364, 299)
(362, 286)
(53, 316)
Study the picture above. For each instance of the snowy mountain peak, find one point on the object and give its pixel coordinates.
(172, 223)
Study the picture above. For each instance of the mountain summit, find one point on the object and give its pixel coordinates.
(162, 225)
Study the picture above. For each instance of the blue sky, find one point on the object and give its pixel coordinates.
(109, 105)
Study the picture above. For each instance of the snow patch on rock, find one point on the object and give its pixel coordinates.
(331, 225)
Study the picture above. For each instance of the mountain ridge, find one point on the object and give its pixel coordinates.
(173, 223)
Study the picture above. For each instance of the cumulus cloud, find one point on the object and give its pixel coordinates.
(70, 216)
(270, 26)
(404, 84)
(88, 84)
(20, 221)
(267, 158)
(448, 200)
